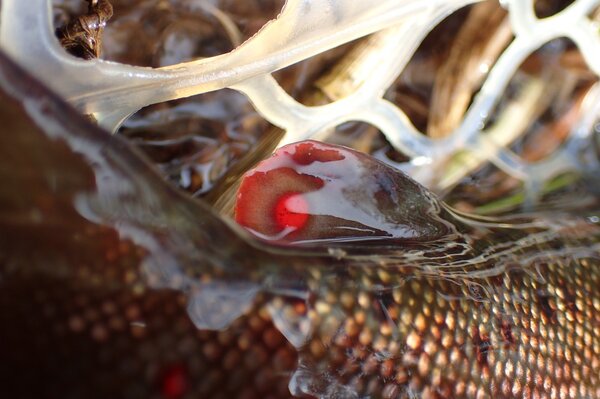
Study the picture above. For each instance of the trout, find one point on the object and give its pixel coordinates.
(362, 285)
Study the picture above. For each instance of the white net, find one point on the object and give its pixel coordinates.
(113, 91)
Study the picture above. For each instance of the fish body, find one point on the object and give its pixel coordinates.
(451, 307)
(113, 285)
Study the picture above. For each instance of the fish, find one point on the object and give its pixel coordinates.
(352, 281)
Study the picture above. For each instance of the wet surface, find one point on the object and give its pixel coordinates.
(316, 192)
(350, 280)
(116, 285)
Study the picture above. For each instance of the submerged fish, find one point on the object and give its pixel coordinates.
(114, 285)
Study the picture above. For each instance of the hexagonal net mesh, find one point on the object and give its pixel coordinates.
(113, 91)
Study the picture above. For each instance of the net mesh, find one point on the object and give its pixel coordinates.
(113, 91)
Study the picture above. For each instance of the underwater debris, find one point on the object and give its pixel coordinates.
(82, 37)
(112, 92)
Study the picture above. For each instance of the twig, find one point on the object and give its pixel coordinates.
(82, 37)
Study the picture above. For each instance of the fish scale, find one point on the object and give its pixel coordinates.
(525, 337)
(91, 307)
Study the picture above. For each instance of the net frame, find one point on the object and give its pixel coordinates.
(112, 91)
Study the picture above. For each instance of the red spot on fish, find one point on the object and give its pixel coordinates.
(352, 197)
(291, 210)
(174, 382)
(306, 153)
(269, 202)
